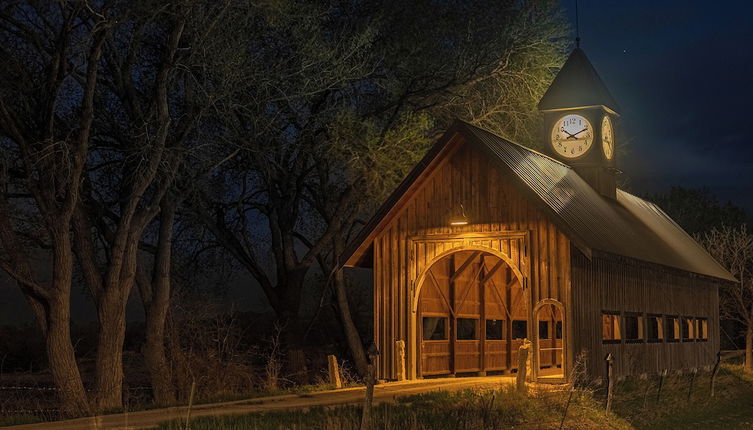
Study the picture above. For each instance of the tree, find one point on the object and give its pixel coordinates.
(353, 96)
(697, 210)
(732, 247)
(166, 68)
(50, 72)
(101, 110)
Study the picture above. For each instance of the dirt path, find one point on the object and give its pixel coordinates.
(382, 393)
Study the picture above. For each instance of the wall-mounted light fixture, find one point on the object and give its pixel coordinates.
(459, 218)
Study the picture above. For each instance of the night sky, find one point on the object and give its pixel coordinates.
(682, 72)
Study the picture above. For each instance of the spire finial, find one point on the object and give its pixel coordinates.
(577, 26)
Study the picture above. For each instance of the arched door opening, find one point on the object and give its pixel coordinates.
(471, 316)
(550, 329)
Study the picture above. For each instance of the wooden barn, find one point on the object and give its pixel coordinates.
(487, 243)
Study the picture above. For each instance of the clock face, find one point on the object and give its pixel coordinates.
(607, 137)
(572, 136)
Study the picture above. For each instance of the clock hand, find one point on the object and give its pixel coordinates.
(578, 132)
(568, 134)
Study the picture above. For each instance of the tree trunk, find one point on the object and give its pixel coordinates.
(109, 365)
(155, 357)
(62, 361)
(156, 306)
(748, 366)
(352, 336)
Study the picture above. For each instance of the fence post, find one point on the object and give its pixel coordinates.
(190, 404)
(715, 371)
(692, 380)
(520, 379)
(610, 380)
(373, 353)
(334, 372)
(662, 375)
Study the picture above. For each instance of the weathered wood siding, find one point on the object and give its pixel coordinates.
(612, 283)
(501, 220)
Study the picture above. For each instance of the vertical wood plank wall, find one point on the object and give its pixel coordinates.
(420, 231)
(613, 283)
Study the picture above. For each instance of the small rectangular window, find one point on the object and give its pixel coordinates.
(610, 327)
(495, 329)
(467, 329)
(703, 329)
(558, 330)
(633, 327)
(543, 329)
(435, 328)
(654, 328)
(672, 328)
(688, 334)
(519, 329)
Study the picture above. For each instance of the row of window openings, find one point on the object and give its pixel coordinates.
(436, 328)
(637, 328)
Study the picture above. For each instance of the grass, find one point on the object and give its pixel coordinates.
(17, 420)
(731, 409)
(439, 410)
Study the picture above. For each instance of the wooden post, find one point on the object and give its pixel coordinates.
(453, 317)
(662, 375)
(520, 380)
(400, 358)
(610, 380)
(482, 319)
(692, 380)
(334, 372)
(373, 353)
(715, 371)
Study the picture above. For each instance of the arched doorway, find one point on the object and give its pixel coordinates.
(550, 330)
(471, 315)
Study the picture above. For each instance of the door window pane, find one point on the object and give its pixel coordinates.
(467, 329)
(435, 328)
(558, 330)
(519, 329)
(543, 329)
(495, 329)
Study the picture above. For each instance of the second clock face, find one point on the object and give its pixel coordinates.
(572, 136)
(607, 137)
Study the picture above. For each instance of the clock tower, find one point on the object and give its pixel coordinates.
(579, 116)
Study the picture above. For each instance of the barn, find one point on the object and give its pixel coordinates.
(488, 244)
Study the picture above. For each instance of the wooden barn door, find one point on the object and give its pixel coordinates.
(465, 317)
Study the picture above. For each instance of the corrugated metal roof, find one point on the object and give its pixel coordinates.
(628, 226)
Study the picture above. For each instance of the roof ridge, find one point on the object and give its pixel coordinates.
(519, 145)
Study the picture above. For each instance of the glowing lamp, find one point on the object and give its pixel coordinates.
(459, 218)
